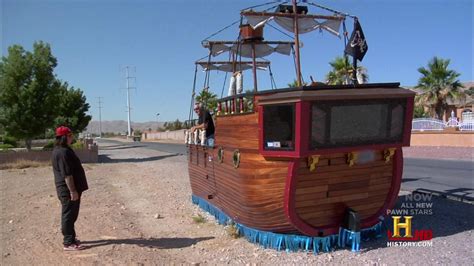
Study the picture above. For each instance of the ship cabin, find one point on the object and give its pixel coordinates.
(297, 159)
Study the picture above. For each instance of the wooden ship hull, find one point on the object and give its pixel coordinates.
(305, 190)
(302, 167)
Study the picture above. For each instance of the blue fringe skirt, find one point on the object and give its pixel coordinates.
(292, 242)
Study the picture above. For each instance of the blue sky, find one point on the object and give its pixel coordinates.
(94, 39)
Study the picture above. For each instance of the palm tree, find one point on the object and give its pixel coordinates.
(208, 99)
(294, 84)
(342, 70)
(439, 84)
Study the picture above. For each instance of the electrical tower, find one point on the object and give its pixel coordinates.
(128, 88)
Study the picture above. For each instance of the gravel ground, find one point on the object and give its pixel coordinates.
(138, 211)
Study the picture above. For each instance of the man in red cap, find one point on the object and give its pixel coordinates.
(70, 180)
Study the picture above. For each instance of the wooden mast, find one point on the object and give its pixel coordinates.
(297, 44)
(254, 64)
(354, 61)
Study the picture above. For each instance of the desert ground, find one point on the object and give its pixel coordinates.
(138, 211)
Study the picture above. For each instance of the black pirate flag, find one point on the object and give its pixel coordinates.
(357, 46)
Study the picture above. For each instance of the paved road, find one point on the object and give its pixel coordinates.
(455, 178)
(164, 147)
(437, 176)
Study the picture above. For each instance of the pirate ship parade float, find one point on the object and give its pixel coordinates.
(311, 167)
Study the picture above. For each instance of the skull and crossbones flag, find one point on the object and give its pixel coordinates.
(357, 46)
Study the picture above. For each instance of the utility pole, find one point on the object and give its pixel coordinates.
(157, 124)
(128, 88)
(100, 117)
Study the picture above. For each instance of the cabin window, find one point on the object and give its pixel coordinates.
(356, 123)
(279, 127)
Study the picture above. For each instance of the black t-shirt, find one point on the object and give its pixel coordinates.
(206, 118)
(66, 163)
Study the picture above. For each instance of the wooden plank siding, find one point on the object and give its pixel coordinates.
(323, 195)
(253, 194)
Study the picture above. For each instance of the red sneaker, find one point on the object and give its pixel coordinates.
(73, 247)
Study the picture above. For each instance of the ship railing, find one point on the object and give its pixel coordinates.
(190, 123)
(235, 104)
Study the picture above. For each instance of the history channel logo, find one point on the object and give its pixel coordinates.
(414, 204)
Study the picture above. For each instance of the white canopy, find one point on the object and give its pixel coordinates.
(245, 49)
(228, 66)
(305, 25)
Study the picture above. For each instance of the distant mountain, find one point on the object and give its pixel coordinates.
(120, 126)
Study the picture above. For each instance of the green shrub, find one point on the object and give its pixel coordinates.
(6, 146)
(9, 140)
(232, 230)
(199, 219)
(49, 146)
(77, 145)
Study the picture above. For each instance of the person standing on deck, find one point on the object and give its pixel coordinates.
(205, 122)
(70, 180)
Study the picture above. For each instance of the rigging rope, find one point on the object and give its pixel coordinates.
(219, 31)
(225, 79)
(223, 85)
(332, 10)
(345, 33)
(288, 35)
(272, 80)
(191, 113)
(269, 3)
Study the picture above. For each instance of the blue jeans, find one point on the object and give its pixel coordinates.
(210, 141)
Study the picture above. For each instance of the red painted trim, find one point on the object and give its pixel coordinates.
(280, 153)
(297, 135)
(302, 135)
(260, 130)
(290, 208)
(408, 121)
(392, 194)
(305, 127)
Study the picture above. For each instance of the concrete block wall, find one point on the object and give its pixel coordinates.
(177, 135)
(89, 155)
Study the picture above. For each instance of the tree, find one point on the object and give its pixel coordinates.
(208, 99)
(294, 84)
(470, 91)
(72, 109)
(342, 70)
(419, 110)
(28, 91)
(438, 84)
(177, 124)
